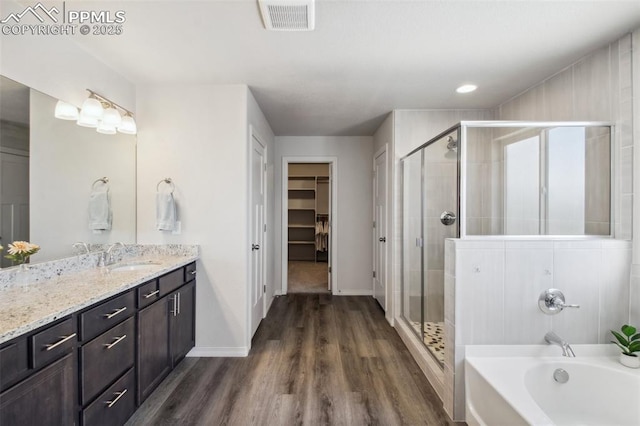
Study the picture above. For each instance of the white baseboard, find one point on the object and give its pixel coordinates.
(218, 352)
(354, 292)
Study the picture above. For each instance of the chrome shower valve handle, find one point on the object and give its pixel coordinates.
(552, 302)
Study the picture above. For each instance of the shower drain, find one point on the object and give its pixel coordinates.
(560, 375)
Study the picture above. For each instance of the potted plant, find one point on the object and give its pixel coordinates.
(629, 343)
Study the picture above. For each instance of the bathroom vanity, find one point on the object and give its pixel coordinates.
(89, 348)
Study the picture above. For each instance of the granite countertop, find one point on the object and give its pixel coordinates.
(25, 309)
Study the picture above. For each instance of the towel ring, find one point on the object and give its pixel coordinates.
(104, 180)
(169, 182)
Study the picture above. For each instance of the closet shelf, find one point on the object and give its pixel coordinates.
(292, 208)
(302, 226)
(302, 242)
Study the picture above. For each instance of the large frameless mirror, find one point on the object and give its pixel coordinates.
(48, 168)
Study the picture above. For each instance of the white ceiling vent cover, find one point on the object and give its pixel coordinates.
(288, 15)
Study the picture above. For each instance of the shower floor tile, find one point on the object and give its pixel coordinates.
(433, 338)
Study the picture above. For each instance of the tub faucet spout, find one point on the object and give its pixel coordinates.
(553, 339)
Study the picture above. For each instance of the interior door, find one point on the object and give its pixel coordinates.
(257, 264)
(14, 200)
(329, 236)
(380, 229)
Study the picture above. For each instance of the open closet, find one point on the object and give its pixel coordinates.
(308, 227)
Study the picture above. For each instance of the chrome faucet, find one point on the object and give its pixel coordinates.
(81, 245)
(107, 259)
(553, 339)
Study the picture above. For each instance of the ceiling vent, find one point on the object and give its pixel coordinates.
(288, 15)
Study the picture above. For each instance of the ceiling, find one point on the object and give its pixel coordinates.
(364, 58)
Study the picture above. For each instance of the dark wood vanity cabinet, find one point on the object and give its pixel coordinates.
(47, 397)
(166, 329)
(96, 366)
(182, 322)
(39, 379)
(154, 361)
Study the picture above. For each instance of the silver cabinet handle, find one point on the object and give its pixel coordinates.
(59, 342)
(118, 340)
(175, 305)
(192, 272)
(113, 402)
(179, 300)
(114, 313)
(153, 293)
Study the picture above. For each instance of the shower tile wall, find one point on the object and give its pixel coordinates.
(598, 87)
(495, 287)
(440, 194)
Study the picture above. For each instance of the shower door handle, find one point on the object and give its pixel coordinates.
(447, 218)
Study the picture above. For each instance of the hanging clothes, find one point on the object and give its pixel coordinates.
(325, 235)
(319, 237)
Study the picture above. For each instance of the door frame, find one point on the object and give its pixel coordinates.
(263, 250)
(382, 150)
(333, 221)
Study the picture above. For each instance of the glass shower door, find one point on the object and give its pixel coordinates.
(412, 241)
(439, 222)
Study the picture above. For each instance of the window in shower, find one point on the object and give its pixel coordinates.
(537, 180)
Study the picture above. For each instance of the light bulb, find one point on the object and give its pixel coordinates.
(92, 108)
(106, 129)
(65, 111)
(111, 117)
(85, 121)
(128, 125)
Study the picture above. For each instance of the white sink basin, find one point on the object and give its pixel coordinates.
(142, 266)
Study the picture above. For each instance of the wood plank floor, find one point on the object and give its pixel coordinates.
(315, 360)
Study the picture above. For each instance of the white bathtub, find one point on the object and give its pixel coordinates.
(514, 385)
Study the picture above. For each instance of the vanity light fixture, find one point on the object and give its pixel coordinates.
(128, 125)
(65, 111)
(100, 113)
(92, 107)
(466, 88)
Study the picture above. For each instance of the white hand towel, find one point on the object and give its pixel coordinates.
(100, 209)
(165, 211)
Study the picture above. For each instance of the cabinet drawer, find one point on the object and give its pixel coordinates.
(190, 272)
(114, 406)
(148, 293)
(52, 342)
(106, 315)
(169, 282)
(14, 362)
(104, 358)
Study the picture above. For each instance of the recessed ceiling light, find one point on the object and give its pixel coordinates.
(466, 88)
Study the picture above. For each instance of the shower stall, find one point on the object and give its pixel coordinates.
(495, 178)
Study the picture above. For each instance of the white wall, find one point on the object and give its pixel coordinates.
(55, 65)
(64, 162)
(197, 135)
(355, 217)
